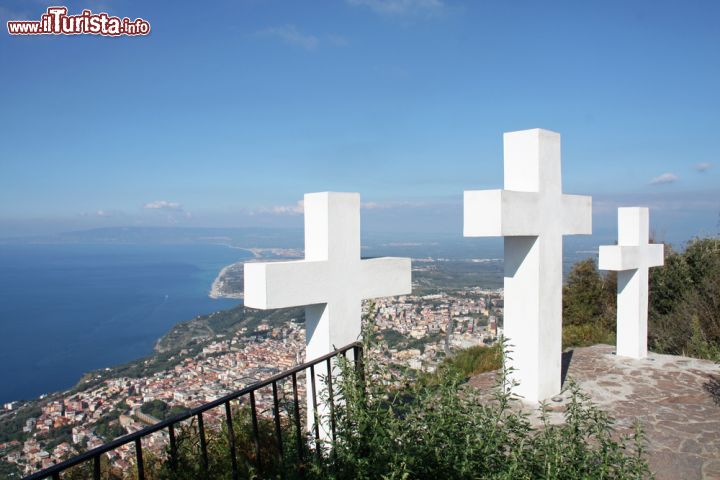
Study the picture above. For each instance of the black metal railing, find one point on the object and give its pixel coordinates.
(54, 472)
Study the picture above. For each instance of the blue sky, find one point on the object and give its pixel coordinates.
(226, 114)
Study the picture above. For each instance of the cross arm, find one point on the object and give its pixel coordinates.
(498, 213)
(576, 215)
(385, 277)
(629, 257)
(284, 284)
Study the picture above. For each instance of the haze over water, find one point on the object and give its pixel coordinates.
(69, 309)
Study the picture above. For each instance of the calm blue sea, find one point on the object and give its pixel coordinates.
(68, 309)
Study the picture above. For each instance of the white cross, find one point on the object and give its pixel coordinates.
(631, 258)
(532, 214)
(331, 281)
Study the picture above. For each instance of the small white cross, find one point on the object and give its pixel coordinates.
(632, 258)
(532, 214)
(331, 281)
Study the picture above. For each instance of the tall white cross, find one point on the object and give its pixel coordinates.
(331, 281)
(532, 214)
(631, 258)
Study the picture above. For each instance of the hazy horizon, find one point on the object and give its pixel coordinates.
(225, 116)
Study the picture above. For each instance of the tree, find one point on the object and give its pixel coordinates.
(589, 305)
(668, 283)
(583, 299)
(684, 313)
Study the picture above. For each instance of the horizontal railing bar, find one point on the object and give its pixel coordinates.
(131, 437)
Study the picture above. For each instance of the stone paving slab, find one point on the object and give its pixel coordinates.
(676, 399)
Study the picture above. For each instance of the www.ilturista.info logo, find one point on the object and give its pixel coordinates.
(57, 22)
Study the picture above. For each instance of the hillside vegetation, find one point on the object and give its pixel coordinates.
(684, 303)
(421, 430)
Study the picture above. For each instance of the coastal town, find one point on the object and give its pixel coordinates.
(416, 332)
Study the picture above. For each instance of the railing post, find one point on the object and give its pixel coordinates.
(139, 458)
(278, 428)
(255, 430)
(203, 444)
(315, 411)
(298, 429)
(96, 467)
(331, 400)
(173, 448)
(231, 439)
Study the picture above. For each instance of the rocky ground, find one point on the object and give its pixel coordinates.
(676, 399)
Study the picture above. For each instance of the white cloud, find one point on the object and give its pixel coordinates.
(386, 205)
(703, 167)
(295, 209)
(299, 208)
(400, 7)
(163, 205)
(374, 205)
(103, 213)
(695, 200)
(291, 35)
(664, 178)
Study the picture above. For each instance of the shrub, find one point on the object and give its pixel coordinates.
(397, 429)
(475, 360)
(586, 335)
(589, 306)
(683, 309)
(684, 313)
(446, 430)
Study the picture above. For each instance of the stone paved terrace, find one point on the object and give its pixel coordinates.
(677, 399)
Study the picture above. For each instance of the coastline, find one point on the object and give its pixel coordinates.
(219, 290)
(218, 285)
(256, 252)
(114, 301)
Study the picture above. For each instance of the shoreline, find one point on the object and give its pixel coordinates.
(256, 252)
(183, 299)
(218, 285)
(216, 289)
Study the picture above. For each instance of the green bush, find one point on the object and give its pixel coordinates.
(446, 430)
(684, 313)
(586, 335)
(475, 360)
(399, 429)
(589, 306)
(683, 308)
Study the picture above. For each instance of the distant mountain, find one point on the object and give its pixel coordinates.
(240, 237)
(451, 245)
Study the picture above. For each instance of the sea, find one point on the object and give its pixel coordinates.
(69, 309)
